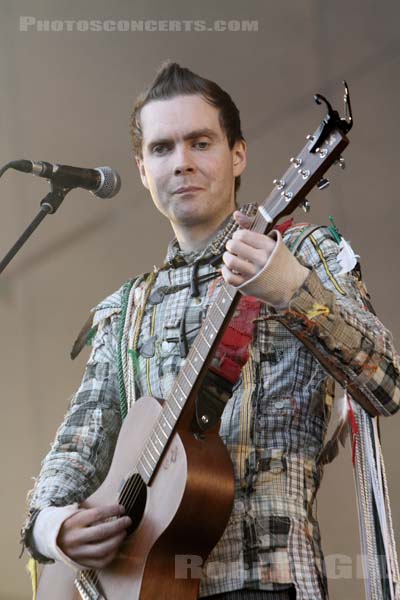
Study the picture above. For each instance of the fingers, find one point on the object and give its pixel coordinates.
(91, 537)
(238, 248)
(236, 264)
(104, 531)
(100, 554)
(232, 278)
(89, 516)
(95, 524)
(246, 254)
(253, 239)
(243, 220)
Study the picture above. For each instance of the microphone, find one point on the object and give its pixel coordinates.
(103, 182)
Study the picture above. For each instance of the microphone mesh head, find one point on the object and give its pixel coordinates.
(110, 183)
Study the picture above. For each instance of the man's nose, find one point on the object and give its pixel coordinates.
(183, 161)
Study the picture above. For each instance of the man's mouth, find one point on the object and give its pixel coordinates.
(187, 189)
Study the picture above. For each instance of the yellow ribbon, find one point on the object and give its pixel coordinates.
(317, 310)
(31, 567)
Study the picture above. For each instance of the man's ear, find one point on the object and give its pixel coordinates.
(239, 153)
(142, 171)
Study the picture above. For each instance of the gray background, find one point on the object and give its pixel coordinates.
(66, 97)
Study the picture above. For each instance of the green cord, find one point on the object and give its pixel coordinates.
(135, 361)
(334, 230)
(91, 335)
(122, 390)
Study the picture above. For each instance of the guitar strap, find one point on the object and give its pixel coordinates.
(225, 369)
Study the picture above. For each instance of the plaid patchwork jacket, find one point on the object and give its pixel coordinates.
(274, 425)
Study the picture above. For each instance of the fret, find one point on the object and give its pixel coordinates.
(217, 306)
(164, 424)
(162, 430)
(205, 339)
(196, 372)
(144, 469)
(176, 401)
(170, 410)
(167, 418)
(158, 447)
(225, 289)
(194, 347)
(155, 447)
(147, 460)
(155, 433)
(211, 336)
(181, 391)
(213, 326)
(186, 377)
(154, 459)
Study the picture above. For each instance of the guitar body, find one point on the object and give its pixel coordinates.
(185, 511)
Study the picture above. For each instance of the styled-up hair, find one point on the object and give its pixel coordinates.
(173, 80)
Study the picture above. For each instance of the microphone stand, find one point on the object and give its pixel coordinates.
(49, 205)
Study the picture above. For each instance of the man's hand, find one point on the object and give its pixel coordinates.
(246, 253)
(92, 536)
(260, 265)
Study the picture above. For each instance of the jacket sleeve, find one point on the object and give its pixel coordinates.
(82, 451)
(329, 315)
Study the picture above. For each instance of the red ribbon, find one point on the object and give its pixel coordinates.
(233, 350)
(354, 430)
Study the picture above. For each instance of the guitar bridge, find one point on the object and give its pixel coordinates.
(87, 584)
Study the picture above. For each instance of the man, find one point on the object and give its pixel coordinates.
(191, 153)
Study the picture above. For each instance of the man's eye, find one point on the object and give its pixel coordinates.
(202, 145)
(160, 149)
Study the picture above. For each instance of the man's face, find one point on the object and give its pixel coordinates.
(187, 164)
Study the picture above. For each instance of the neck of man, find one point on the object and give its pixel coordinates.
(196, 238)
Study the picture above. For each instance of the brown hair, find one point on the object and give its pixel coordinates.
(173, 80)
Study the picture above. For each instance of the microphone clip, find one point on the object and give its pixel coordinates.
(54, 198)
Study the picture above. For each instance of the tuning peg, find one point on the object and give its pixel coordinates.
(306, 205)
(304, 173)
(323, 183)
(279, 183)
(340, 162)
(296, 162)
(287, 195)
(310, 137)
(321, 151)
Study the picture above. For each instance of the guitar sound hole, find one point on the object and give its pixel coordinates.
(133, 497)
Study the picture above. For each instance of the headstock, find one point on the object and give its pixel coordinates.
(308, 167)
